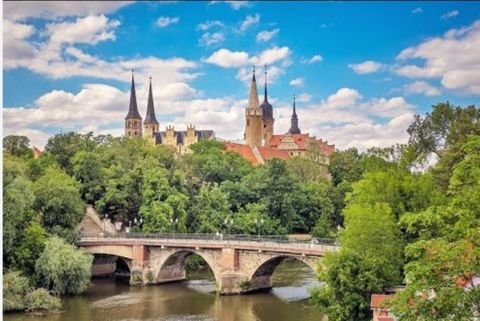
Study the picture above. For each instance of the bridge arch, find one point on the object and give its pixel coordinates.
(260, 277)
(173, 267)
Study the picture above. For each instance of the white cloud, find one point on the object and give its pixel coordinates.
(297, 82)
(58, 57)
(417, 10)
(234, 59)
(234, 4)
(163, 22)
(208, 38)
(245, 75)
(228, 59)
(421, 87)
(314, 59)
(15, 41)
(454, 58)
(55, 9)
(204, 26)
(450, 14)
(178, 90)
(366, 67)
(303, 98)
(266, 35)
(249, 21)
(89, 30)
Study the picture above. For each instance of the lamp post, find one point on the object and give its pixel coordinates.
(174, 223)
(259, 223)
(104, 221)
(228, 223)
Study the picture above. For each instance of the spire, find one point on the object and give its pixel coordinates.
(294, 120)
(265, 97)
(253, 102)
(133, 109)
(150, 117)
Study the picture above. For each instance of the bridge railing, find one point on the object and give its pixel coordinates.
(212, 237)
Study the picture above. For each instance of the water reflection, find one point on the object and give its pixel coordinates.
(191, 301)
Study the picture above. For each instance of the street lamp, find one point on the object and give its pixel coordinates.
(228, 223)
(174, 222)
(104, 221)
(259, 223)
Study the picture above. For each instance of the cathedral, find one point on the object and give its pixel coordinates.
(180, 140)
(262, 144)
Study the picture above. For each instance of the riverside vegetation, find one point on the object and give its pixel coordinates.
(399, 221)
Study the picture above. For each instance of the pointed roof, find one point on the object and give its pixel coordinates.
(294, 121)
(266, 106)
(253, 102)
(150, 116)
(132, 108)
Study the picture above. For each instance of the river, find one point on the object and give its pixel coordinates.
(193, 300)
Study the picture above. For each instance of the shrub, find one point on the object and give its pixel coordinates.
(15, 287)
(41, 301)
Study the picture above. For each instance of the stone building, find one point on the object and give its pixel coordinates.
(179, 140)
(260, 137)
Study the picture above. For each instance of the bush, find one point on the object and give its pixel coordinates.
(41, 301)
(15, 287)
(63, 268)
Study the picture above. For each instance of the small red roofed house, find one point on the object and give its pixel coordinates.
(380, 312)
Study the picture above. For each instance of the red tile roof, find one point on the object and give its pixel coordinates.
(377, 300)
(301, 140)
(243, 150)
(268, 153)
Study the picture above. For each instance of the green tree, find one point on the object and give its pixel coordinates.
(210, 210)
(32, 244)
(62, 268)
(58, 200)
(306, 170)
(253, 219)
(87, 169)
(17, 146)
(64, 146)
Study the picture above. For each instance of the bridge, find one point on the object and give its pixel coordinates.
(239, 263)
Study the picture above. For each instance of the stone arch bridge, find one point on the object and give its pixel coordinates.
(240, 264)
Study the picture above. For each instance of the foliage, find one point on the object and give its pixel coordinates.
(15, 287)
(306, 170)
(41, 301)
(62, 268)
(349, 282)
(31, 246)
(17, 146)
(58, 200)
(211, 209)
(87, 171)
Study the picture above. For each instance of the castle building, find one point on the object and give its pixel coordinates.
(179, 140)
(261, 142)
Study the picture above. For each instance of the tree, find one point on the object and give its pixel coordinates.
(87, 169)
(440, 281)
(62, 268)
(31, 245)
(253, 219)
(64, 146)
(58, 200)
(305, 170)
(211, 208)
(349, 282)
(17, 146)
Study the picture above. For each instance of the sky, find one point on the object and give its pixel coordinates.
(360, 70)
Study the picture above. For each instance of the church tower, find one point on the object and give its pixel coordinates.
(268, 119)
(150, 124)
(294, 121)
(133, 120)
(253, 117)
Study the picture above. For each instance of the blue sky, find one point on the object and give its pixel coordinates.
(360, 70)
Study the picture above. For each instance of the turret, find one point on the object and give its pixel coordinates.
(133, 120)
(267, 112)
(253, 117)
(294, 121)
(150, 124)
